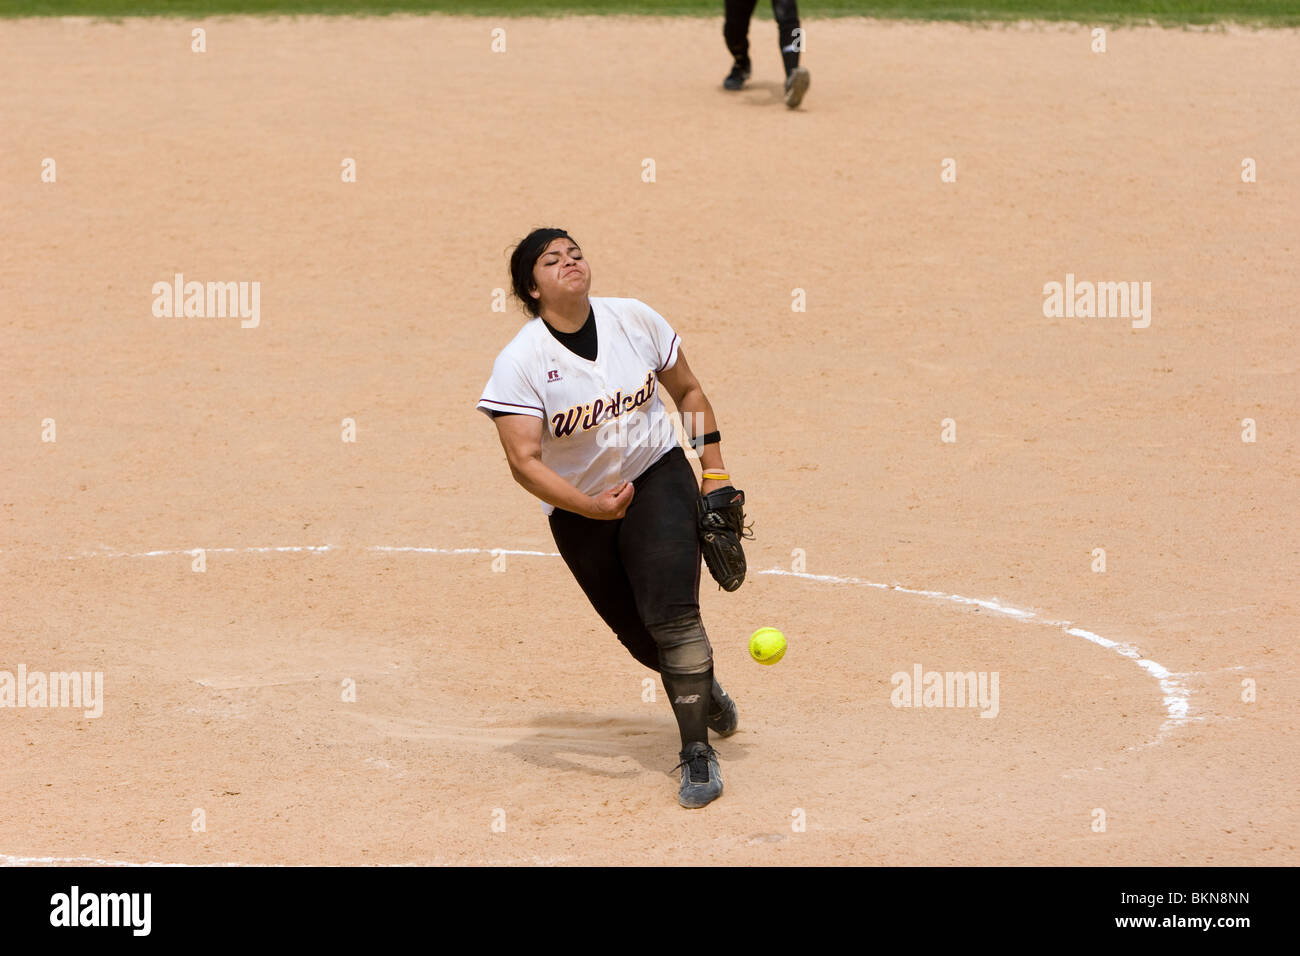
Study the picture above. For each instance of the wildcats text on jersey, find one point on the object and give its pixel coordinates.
(602, 409)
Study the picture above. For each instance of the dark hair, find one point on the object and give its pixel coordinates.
(523, 259)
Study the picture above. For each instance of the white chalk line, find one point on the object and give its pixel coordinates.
(7, 860)
(284, 549)
(1176, 694)
(1176, 697)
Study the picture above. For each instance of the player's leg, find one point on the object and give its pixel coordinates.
(665, 596)
(735, 30)
(590, 549)
(660, 547)
(661, 551)
(786, 15)
(790, 36)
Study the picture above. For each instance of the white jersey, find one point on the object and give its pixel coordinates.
(603, 421)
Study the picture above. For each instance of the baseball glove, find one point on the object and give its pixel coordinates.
(722, 525)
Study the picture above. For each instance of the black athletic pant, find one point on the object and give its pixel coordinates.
(643, 570)
(736, 29)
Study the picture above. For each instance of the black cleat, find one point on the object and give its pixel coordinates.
(701, 776)
(796, 85)
(737, 77)
(723, 716)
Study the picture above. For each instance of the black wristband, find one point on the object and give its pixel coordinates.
(708, 439)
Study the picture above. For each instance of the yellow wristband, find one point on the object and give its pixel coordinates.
(716, 475)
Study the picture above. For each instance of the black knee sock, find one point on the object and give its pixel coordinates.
(690, 696)
(786, 14)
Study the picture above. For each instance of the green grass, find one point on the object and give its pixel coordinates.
(1167, 12)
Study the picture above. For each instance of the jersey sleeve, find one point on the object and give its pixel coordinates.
(508, 390)
(667, 343)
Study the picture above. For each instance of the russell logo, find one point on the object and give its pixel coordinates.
(553, 375)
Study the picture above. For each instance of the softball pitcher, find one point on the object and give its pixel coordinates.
(576, 403)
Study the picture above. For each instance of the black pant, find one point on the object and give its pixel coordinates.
(735, 28)
(644, 568)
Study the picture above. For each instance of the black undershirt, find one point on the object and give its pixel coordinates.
(582, 343)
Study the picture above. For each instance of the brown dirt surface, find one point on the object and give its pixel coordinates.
(487, 695)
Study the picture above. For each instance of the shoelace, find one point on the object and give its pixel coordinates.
(698, 764)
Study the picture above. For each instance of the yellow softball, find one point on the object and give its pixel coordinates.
(767, 645)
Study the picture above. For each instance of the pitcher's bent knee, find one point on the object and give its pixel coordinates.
(683, 646)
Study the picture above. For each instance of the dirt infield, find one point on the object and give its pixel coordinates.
(495, 719)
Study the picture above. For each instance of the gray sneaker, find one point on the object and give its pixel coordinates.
(701, 776)
(723, 716)
(796, 85)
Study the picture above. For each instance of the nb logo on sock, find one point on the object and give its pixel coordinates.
(692, 699)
